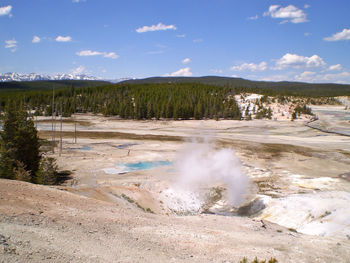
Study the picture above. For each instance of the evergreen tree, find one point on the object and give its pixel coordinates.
(269, 113)
(19, 145)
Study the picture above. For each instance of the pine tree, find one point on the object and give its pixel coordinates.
(19, 145)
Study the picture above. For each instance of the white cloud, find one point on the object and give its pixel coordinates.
(89, 53)
(335, 67)
(307, 34)
(11, 44)
(78, 1)
(5, 10)
(186, 61)
(63, 39)
(79, 70)
(111, 55)
(296, 61)
(307, 76)
(253, 17)
(181, 36)
(306, 6)
(250, 67)
(184, 72)
(159, 27)
(36, 39)
(343, 77)
(289, 14)
(343, 35)
(86, 53)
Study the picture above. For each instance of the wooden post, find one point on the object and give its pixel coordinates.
(61, 132)
(75, 132)
(53, 109)
(54, 125)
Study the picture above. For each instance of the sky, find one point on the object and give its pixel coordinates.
(294, 40)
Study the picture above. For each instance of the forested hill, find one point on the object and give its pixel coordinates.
(265, 87)
(132, 101)
(48, 84)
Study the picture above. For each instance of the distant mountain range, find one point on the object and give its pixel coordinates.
(12, 76)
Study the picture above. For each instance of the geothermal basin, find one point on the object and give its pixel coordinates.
(279, 171)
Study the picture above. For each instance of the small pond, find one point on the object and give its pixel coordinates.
(139, 166)
(83, 148)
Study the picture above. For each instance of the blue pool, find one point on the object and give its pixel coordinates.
(140, 166)
(143, 165)
(83, 148)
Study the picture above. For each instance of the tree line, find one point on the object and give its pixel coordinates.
(269, 88)
(144, 101)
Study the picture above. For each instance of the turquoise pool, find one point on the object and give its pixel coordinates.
(139, 166)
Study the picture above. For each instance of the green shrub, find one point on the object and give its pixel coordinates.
(256, 260)
(47, 173)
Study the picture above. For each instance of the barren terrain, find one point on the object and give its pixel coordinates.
(296, 202)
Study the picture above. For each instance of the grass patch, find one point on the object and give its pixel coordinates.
(267, 150)
(132, 201)
(256, 260)
(68, 121)
(148, 210)
(111, 135)
(127, 198)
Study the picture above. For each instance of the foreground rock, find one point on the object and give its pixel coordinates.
(40, 223)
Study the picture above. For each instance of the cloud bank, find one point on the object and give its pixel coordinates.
(250, 67)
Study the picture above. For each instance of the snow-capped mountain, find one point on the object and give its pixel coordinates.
(11, 76)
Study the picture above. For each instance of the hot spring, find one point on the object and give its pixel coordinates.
(206, 179)
(139, 166)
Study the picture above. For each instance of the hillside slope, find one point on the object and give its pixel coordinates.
(272, 88)
(40, 223)
(48, 84)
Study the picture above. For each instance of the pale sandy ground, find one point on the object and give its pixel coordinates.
(332, 119)
(293, 168)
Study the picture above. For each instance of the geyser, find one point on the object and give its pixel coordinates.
(200, 167)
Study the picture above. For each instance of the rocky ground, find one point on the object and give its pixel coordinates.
(45, 224)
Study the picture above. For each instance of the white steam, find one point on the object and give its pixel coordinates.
(200, 167)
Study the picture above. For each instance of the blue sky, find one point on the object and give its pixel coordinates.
(253, 39)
